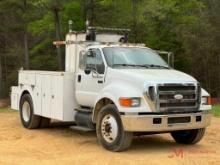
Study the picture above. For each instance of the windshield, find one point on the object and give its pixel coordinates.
(133, 57)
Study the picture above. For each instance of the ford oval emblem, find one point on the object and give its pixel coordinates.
(178, 96)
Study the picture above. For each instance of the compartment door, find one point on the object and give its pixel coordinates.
(46, 95)
(38, 96)
(57, 86)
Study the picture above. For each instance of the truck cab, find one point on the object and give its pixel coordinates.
(118, 89)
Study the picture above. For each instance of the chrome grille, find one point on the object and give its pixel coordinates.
(189, 101)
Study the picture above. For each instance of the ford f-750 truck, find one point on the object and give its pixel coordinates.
(117, 88)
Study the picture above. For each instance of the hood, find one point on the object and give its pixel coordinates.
(156, 75)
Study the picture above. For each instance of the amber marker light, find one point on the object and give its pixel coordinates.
(209, 100)
(129, 102)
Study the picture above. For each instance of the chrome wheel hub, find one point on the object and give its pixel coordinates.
(26, 111)
(109, 128)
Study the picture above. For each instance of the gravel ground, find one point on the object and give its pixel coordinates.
(61, 145)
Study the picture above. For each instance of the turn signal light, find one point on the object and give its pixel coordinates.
(129, 102)
(206, 100)
(209, 100)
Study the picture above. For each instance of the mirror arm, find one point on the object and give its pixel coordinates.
(97, 75)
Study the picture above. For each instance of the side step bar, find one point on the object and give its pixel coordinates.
(81, 128)
(83, 119)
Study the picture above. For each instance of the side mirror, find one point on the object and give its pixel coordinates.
(170, 58)
(82, 59)
(95, 74)
(90, 54)
(87, 71)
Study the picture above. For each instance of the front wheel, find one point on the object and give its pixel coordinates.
(110, 132)
(188, 136)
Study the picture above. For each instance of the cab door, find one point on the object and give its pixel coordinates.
(90, 77)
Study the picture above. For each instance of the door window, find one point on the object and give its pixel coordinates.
(94, 61)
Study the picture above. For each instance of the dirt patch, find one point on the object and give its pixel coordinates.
(61, 145)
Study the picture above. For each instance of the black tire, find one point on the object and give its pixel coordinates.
(32, 121)
(45, 122)
(122, 140)
(188, 136)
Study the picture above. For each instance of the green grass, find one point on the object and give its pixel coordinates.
(216, 110)
(4, 110)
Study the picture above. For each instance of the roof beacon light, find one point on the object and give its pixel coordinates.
(70, 26)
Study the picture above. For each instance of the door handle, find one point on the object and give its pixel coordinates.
(100, 82)
(79, 78)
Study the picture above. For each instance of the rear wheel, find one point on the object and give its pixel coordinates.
(188, 136)
(110, 132)
(28, 119)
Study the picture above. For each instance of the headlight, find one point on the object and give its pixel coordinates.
(206, 100)
(130, 102)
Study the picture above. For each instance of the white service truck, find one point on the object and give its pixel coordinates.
(118, 89)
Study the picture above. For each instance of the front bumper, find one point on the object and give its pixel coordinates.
(169, 122)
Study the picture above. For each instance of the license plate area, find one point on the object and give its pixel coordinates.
(177, 120)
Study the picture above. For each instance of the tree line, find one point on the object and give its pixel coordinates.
(189, 29)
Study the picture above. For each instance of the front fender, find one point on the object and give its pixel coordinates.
(116, 90)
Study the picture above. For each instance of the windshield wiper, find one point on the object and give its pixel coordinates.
(132, 65)
(157, 66)
(145, 65)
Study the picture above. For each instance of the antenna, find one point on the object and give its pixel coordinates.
(87, 26)
(70, 26)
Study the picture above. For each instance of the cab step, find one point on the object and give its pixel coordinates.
(81, 128)
(86, 110)
(83, 118)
